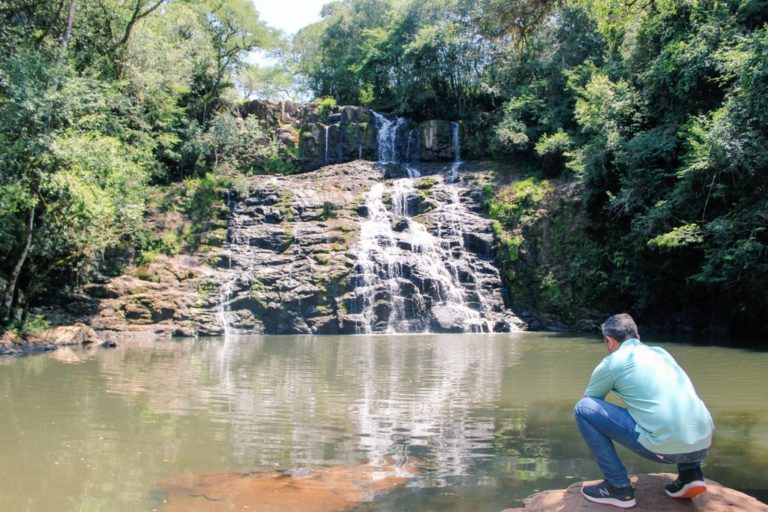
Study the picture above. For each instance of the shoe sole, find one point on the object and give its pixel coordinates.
(689, 490)
(611, 501)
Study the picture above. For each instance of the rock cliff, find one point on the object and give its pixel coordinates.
(351, 248)
(339, 134)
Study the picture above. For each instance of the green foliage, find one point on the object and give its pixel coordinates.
(656, 114)
(555, 144)
(267, 82)
(325, 107)
(553, 149)
(681, 236)
(149, 245)
(34, 325)
(421, 58)
(238, 145)
(329, 210)
(515, 202)
(367, 96)
(205, 202)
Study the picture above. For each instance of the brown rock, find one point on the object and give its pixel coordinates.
(8, 348)
(308, 490)
(101, 291)
(650, 497)
(77, 334)
(137, 313)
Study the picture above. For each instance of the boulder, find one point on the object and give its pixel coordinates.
(77, 334)
(446, 319)
(316, 489)
(288, 137)
(137, 313)
(650, 497)
(272, 113)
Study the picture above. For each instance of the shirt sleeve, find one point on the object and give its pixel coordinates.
(601, 382)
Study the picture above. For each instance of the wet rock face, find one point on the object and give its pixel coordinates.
(437, 141)
(274, 114)
(424, 261)
(348, 133)
(344, 250)
(351, 248)
(289, 253)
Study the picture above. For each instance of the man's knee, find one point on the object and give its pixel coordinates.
(584, 407)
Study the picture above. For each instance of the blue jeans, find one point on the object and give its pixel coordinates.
(601, 423)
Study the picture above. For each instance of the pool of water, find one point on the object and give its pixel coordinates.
(486, 419)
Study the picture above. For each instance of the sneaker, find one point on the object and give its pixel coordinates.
(689, 484)
(607, 494)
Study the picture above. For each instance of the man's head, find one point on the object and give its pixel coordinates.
(617, 329)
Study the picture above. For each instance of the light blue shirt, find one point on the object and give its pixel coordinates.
(670, 416)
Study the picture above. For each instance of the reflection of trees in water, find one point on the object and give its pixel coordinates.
(434, 399)
(299, 401)
(454, 402)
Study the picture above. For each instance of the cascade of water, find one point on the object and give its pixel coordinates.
(453, 170)
(412, 172)
(386, 136)
(376, 257)
(407, 275)
(224, 312)
(359, 144)
(327, 128)
(455, 127)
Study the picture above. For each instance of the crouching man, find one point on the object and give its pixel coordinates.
(665, 420)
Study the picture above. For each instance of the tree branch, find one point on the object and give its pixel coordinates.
(137, 15)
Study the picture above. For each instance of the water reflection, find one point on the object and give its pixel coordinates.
(301, 401)
(486, 419)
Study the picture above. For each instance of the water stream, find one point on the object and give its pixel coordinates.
(227, 287)
(414, 272)
(387, 133)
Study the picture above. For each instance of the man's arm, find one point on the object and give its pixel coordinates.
(601, 382)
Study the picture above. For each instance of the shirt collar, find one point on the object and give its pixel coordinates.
(631, 342)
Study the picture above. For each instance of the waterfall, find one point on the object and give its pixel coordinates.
(412, 172)
(376, 257)
(327, 128)
(386, 136)
(359, 144)
(453, 170)
(456, 141)
(414, 273)
(223, 311)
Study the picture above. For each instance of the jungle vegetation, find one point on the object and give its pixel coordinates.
(651, 114)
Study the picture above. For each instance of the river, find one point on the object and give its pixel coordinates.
(485, 419)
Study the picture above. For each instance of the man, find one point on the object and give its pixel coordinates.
(665, 420)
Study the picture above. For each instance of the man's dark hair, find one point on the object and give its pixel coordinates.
(620, 327)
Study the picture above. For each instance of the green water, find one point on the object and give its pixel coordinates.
(486, 418)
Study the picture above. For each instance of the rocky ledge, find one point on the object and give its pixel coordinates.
(650, 498)
(338, 134)
(320, 253)
(78, 334)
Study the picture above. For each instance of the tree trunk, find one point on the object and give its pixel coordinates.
(11, 288)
